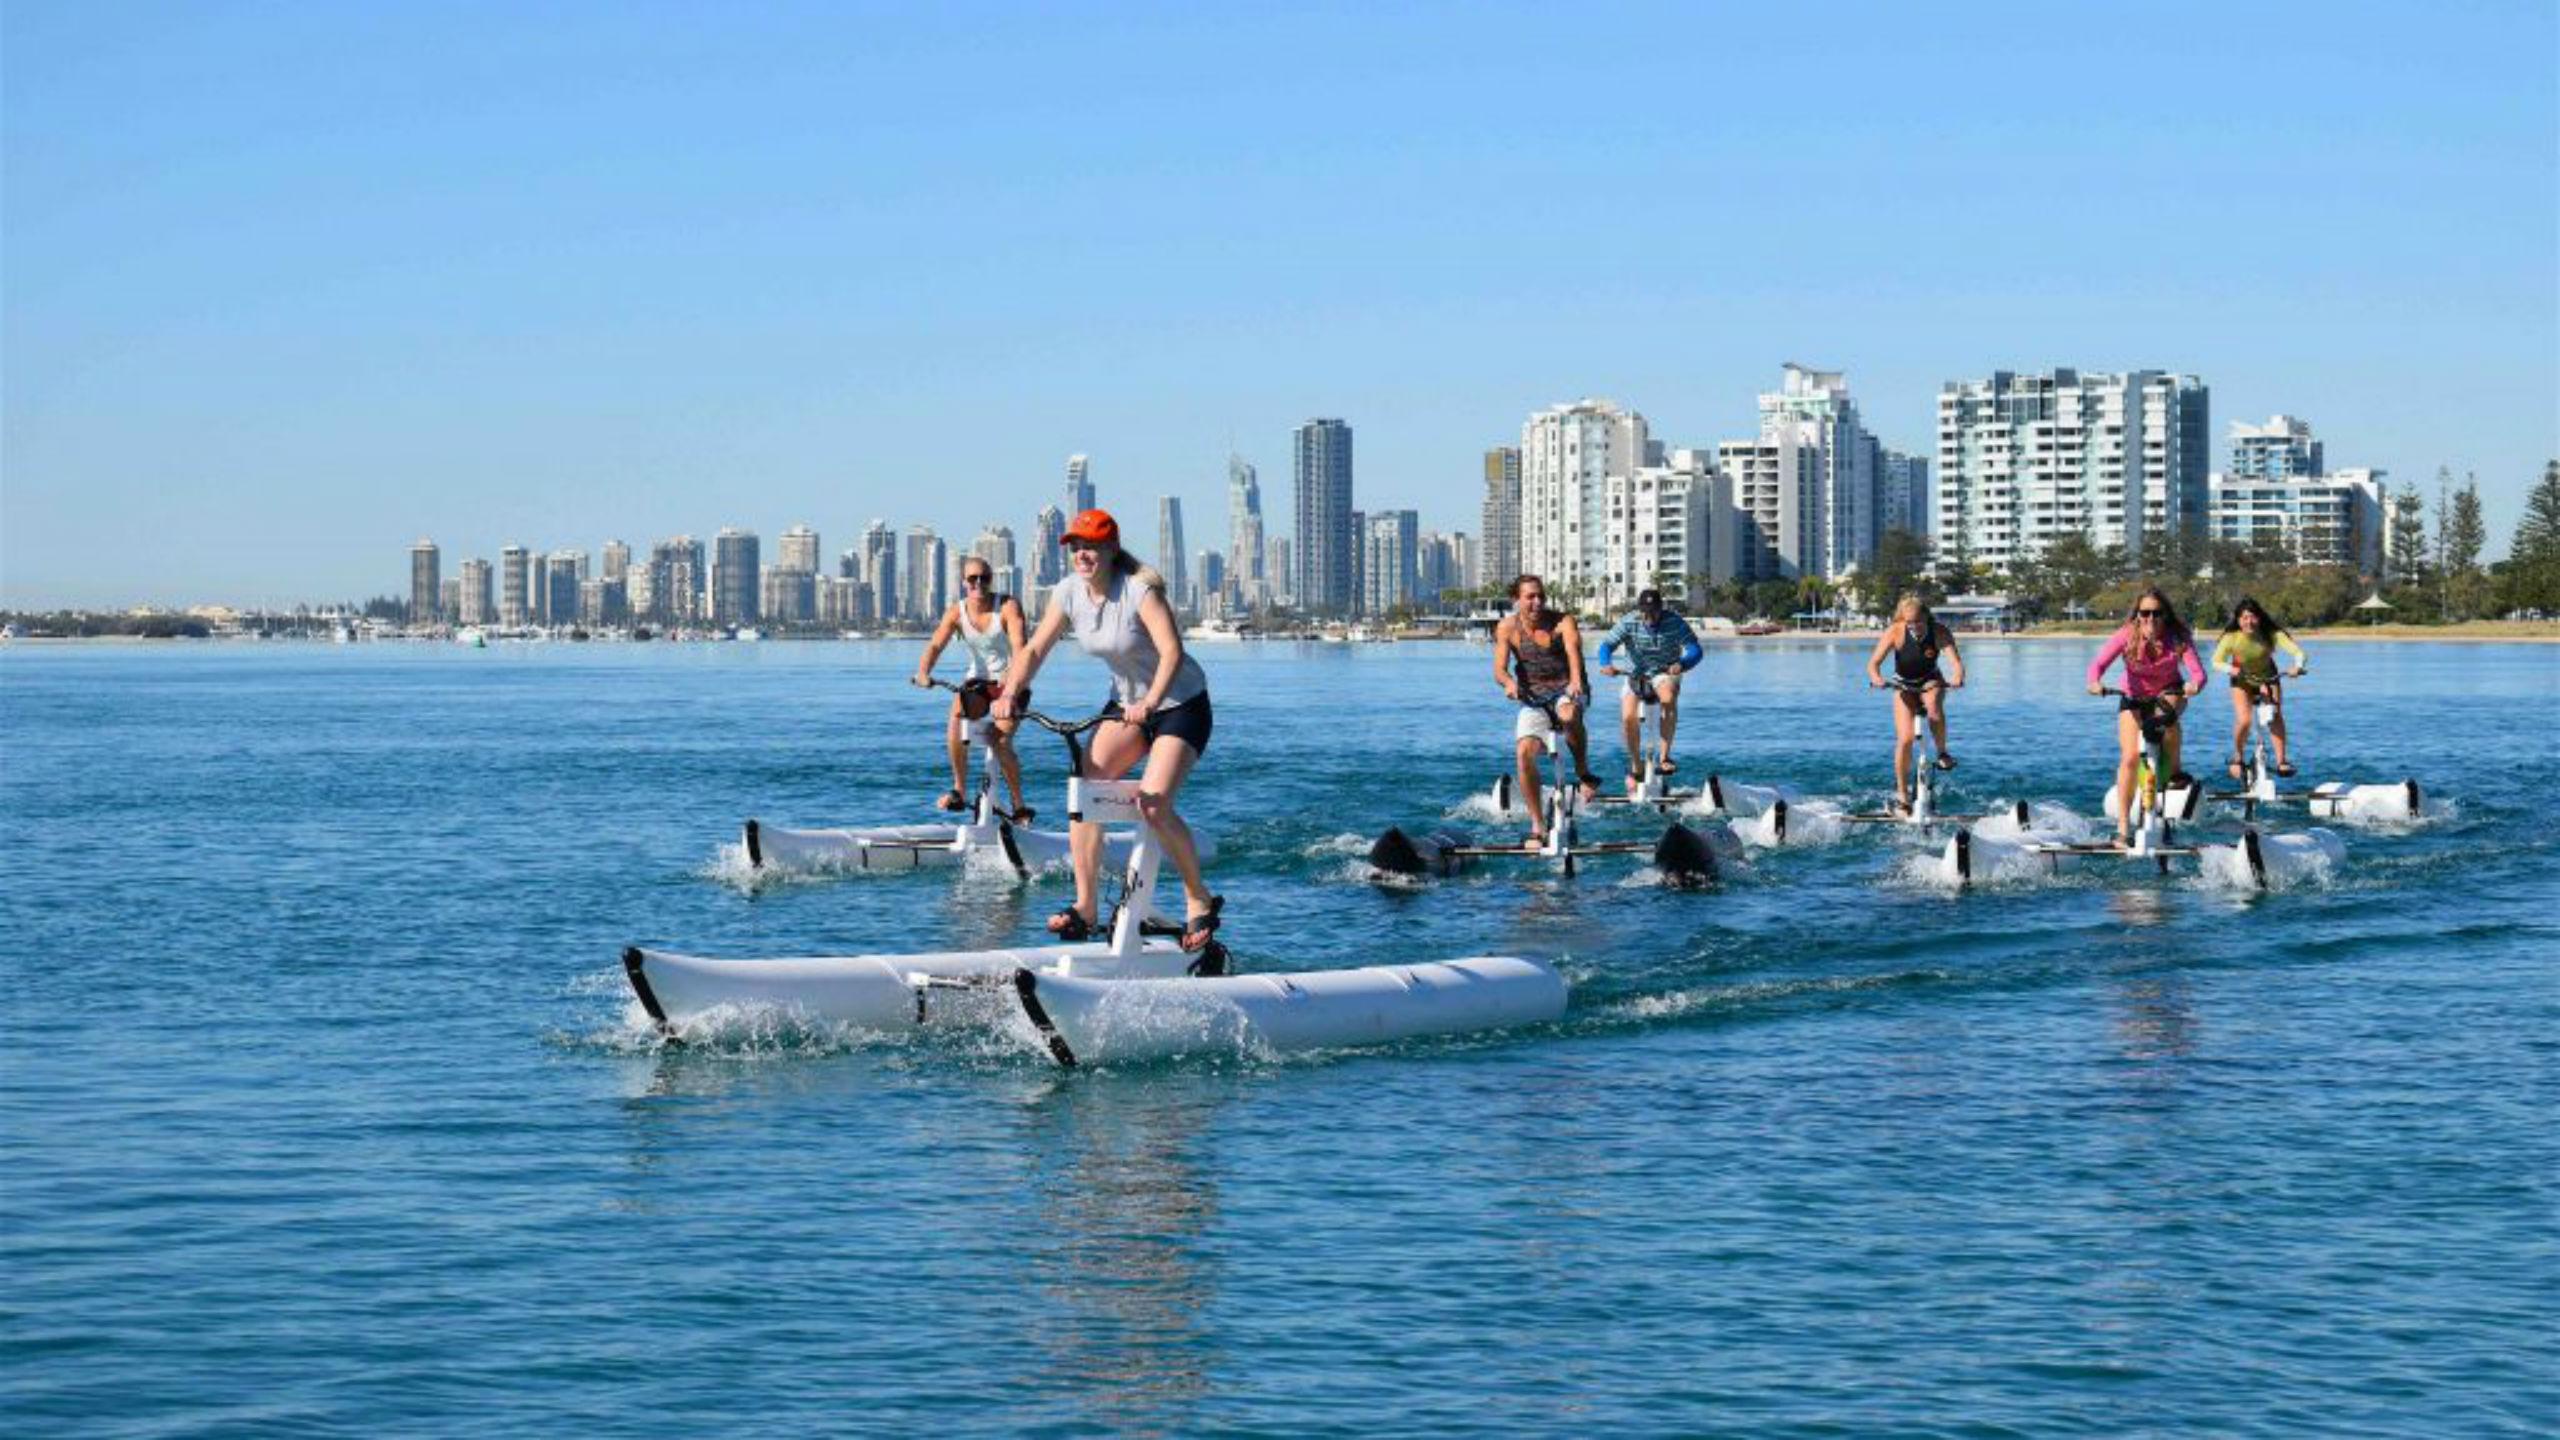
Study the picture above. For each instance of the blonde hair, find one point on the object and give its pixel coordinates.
(1124, 563)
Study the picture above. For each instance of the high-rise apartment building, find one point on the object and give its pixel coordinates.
(2282, 449)
(1389, 569)
(1575, 463)
(788, 596)
(2026, 459)
(1171, 558)
(1243, 570)
(927, 583)
(2334, 519)
(1048, 552)
(880, 570)
(1210, 597)
(1359, 561)
(1902, 487)
(1325, 549)
(479, 597)
(1079, 485)
(995, 546)
(426, 583)
(799, 550)
(1279, 567)
(1501, 513)
(560, 587)
(737, 568)
(617, 560)
(679, 582)
(515, 587)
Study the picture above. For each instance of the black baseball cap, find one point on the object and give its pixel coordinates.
(1648, 599)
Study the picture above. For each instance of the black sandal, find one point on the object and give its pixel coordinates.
(1070, 925)
(951, 800)
(1023, 815)
(1197, 930)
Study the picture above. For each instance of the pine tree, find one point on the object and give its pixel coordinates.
(2463, 534)
(2407, 560)
(2531, 579)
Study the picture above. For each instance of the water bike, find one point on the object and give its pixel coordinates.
(1684, 856)
(1647, 788)
(2330, 800)
(2149, 827)
(1084, 1020)
(905, 992)
(918, 847)
(1927, 761)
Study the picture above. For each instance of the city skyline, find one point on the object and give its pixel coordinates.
(492, 277)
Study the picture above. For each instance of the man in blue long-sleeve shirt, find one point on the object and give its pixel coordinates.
(1660, 649)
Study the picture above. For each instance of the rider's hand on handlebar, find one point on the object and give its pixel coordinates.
(1007, 703)
(920, 680)
(1137, 714)
(1611, 670)
(2299, 671)
(2097, 689)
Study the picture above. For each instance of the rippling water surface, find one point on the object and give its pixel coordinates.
(327, 1110)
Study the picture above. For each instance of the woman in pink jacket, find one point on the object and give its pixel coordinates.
(2155, 646)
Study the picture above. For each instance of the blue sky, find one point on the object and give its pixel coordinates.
(289, 285)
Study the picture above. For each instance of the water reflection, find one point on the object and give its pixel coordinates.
(983, 909)
(2141, 907)
(1120, 1203)
(2155, 1019)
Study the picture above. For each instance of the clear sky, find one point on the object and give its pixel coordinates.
(288, 286)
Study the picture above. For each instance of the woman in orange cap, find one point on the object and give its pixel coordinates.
(1159, 710)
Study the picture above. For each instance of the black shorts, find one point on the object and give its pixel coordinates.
(1189, 722)
(2151, 712)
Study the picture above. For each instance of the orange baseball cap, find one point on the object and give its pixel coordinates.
(1093, 525)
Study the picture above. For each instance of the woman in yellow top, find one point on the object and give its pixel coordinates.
(2248, 651)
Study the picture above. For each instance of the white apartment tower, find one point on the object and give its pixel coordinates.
(2282, 449)
(478, 597)
(2026, 459)
(1574, 461)
(1389, 573)
(515, 586)
(799, 550)
(995, 546)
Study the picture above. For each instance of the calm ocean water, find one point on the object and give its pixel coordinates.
(324, 1110)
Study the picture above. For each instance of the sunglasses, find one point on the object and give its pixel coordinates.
(976, 579)
(2146, 614)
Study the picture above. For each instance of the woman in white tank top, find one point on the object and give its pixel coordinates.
(989, 627)
(1118, 611)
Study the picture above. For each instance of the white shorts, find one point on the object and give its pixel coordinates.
(1646, 694)
(1533, 723)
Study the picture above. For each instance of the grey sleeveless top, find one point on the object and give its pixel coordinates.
(1110, 631)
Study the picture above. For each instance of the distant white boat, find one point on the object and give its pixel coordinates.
(749, 632)
(472, 636)
(1214, 631)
